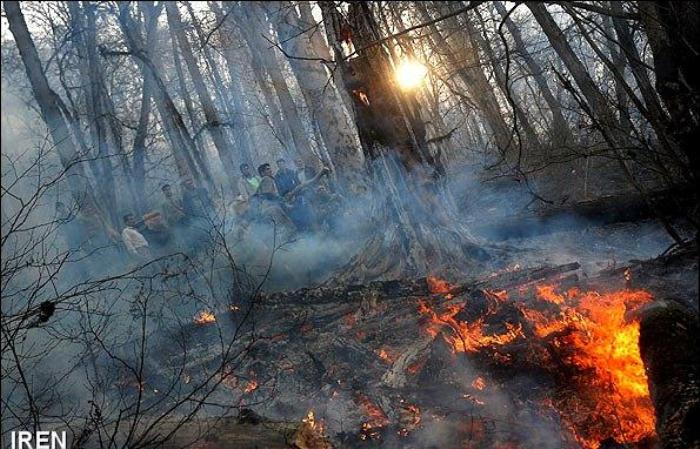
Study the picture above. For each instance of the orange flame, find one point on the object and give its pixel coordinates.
(479, 383)
(251, 386)
(386, 355)
(205, 317)
(466, 337)
(437, 285)
(376, 418)
(603, 346)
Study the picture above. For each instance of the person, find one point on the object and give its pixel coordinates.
(267, 189)
(196, 202)
(135, 242)
(271, 207)
(158, 234)
(172, 210)
(286, 179)
(249, 183)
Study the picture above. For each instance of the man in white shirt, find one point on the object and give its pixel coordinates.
(135, 242)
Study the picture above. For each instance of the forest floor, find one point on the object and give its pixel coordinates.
(345, 351)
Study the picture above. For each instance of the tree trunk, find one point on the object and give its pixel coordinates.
(673, 33)
(254, 28)
(222, 95)
(182, 145)
(560, 131)
(502, 80)
(213, 122)
(595, 101)
(91, 80)
(326, 109)
(48, 101)
(419, 234)
(472, 76)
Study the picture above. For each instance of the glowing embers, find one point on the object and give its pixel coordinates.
(437, 285)
(376, 418)
(250, 386)
(205, 317)
(466, 337)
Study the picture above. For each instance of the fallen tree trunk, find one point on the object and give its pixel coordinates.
(668, 345)
(628, 207)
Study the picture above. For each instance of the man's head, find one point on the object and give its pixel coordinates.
(167, 190)
(265, 170)
(129, 220)
(299, 163)
(281, 164)
(245, 170)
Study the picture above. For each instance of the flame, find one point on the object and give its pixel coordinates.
(589, 335)
(409, 418)
(466, 337)
(437, 285)
(546, 292)
(376, 418)
(602, 344)
(479, 383)
(205, 317)
(311, 434)
(251, 386)
(386, 355)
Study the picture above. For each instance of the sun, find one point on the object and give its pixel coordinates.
(410, 74)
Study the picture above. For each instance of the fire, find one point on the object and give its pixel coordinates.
(546, 292)
(251, 386)
(205, 317)
(591, 342)
(466, 337)
(479, 383)
(311, 434)
(409, 418)
(386, 355)
(437, 285)
(376, 418)
(602, 344)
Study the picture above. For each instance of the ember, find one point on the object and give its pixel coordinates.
(467, 337)
(205, 317)
(377, 419)
(409, 418)
(386, 355)
(479, 383)
(437, 285)
(251, 386)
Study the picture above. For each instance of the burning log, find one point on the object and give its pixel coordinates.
(668, 344)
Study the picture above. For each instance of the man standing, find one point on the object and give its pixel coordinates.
(286, 179)
(196, 202)
(134, 241)
(249, 183)
(172, 208)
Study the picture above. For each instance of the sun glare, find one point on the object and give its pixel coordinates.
(410, 74)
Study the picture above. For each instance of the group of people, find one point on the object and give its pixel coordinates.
(289, 197)
(178, 224)
(295, 200)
